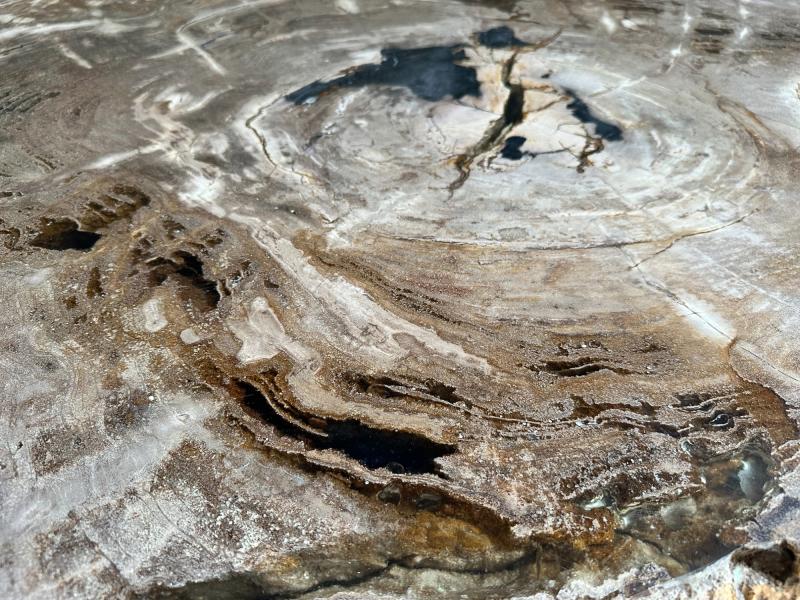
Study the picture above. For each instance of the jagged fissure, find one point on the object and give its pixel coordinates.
(513, 114)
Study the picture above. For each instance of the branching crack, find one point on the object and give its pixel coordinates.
(592, 145)
(262, 141)
(677, 239)
(513, 115)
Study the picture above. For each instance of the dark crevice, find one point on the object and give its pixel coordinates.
(581, 409)
(64, 234)
(512, 111)
(386, 387)
(719, 419)
(259, 406)
(382, 386)
(578, 367)
(629, 7)
(399, 451)
(408, 496)
(248, 586)
(445, 392)
(186, 269)
(67, 234)
(694, 401)
(365, 576)
(430, 391)
(374, 448)
(779, 563)
(714, 31)
(654, 426)
(705, 403)
(584, 410)
(513, 114)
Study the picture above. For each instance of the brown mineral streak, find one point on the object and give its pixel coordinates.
(365, 299)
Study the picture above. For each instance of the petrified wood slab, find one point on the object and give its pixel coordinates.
(399, 299)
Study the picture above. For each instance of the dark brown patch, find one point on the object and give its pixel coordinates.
(64, 234)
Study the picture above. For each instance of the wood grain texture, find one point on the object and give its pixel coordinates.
(385, 299)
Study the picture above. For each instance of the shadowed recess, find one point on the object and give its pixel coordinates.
(64, 234)
(581, 111)
(187, 271)
(374, 448)
(430, 73)
(499, 37)
(512, 149)
(398, 451)
(778, 562)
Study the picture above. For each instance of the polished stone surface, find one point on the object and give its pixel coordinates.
(399, 299)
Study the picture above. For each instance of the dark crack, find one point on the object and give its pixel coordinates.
(513, 114)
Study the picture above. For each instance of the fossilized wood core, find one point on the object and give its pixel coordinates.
(455, 299)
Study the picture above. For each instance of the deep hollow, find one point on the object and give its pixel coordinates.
(187, 270)
(374, 448)
(64, 234)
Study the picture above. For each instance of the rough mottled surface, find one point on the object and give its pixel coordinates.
(397, 298)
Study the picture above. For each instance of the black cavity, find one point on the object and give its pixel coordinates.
(64, 234)
(397, 451)
(512, 149)
(186, 270)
